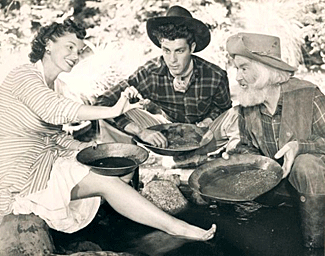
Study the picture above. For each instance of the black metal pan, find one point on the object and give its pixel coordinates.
(192, 138)
(113, 159)
(241, 178)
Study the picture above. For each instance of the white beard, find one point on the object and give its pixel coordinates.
(251, 96)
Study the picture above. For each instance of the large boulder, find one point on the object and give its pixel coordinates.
(25, 235)
(166, 195)
(22, 235)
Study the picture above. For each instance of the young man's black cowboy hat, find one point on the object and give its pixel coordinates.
(180, 16)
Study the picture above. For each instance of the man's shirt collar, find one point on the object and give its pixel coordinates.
(278, 110)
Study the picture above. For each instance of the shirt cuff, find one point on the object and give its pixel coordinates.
(306, 147)
(122, 121)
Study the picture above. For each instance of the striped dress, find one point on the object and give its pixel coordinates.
(31, 136)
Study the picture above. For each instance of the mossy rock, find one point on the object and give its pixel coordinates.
(25, 235)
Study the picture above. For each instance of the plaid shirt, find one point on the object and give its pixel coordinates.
(271, 128)
(207, 94)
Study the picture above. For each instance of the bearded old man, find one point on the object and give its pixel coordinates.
(282, 117)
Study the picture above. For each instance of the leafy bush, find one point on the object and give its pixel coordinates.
(117, 28)
(313, 17)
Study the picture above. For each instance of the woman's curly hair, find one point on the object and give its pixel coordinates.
(172, 32)
(51, 32)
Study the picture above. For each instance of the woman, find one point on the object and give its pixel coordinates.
(38, 170)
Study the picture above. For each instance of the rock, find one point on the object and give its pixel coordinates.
(159, 243)
(97, 254)
(22, 235)
(25, 235)
(166, 195)
(197, 199)
(189, 160)
(83, 246)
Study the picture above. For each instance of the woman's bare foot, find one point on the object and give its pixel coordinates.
(196, 233)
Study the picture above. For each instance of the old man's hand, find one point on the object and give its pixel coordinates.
(289, 151)
(205, 123)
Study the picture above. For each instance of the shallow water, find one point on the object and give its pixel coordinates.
(246, 229)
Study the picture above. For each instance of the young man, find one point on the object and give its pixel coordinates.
(181, 87)
(283, 118)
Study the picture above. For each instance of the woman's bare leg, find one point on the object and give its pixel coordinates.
(128, 202)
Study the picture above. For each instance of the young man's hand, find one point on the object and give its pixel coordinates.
(154, 138)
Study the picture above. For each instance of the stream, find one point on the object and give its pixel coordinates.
(243, 229)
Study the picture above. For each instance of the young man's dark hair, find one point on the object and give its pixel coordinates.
(172, 32)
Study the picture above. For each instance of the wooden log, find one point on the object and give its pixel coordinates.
(25, 235)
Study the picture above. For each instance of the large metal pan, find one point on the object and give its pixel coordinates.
(203, 133)
(241, 178)
(130, 155)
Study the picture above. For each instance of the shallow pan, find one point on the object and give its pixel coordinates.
(241, 178)
(203, 134)
(113, 159)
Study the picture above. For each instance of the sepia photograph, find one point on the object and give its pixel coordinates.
(162, 128)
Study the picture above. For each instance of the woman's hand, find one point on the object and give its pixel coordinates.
(87, 112)
(129, 93)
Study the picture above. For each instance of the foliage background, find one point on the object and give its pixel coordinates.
(116, 32)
